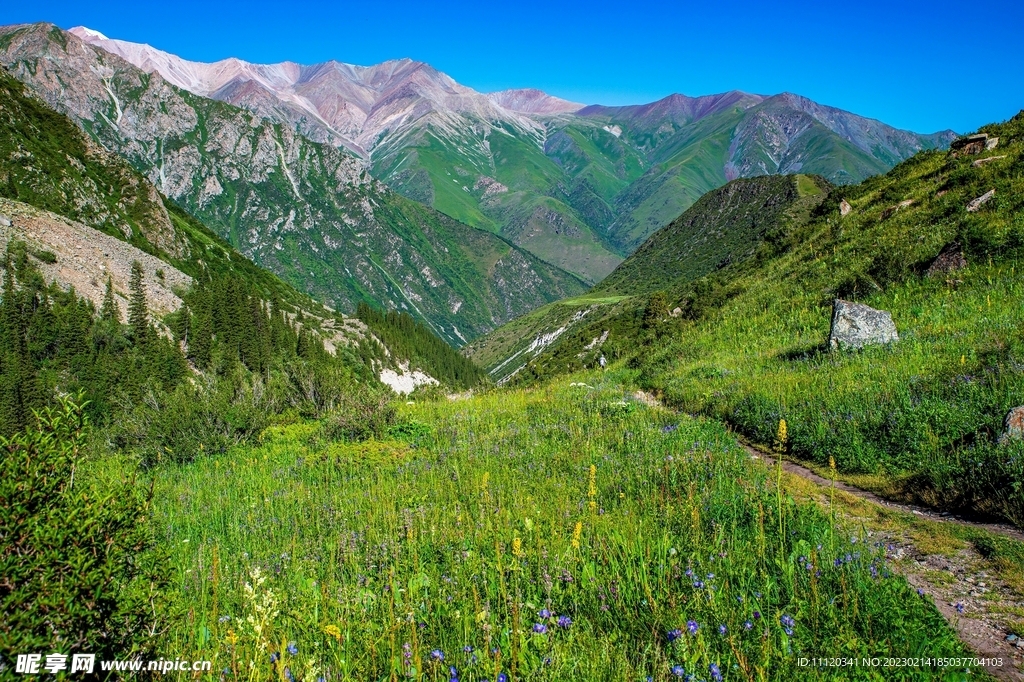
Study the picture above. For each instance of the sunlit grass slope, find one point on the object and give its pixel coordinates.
(563, 533)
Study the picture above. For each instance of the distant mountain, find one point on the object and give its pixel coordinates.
(531, 101)
(308, 211)
(580, 187)
(725, 226)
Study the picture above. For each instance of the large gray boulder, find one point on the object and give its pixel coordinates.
(1013, 425)
(855, 325)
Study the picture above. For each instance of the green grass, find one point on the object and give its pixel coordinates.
(481, 514)
(917, 420)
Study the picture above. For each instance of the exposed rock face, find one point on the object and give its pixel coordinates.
(970, 144)
(844, 208)
(981, 162)
(1013, 425)
(406, 381)
(975, 204)
(855, 325)
(950, 259)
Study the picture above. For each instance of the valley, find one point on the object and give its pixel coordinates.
(317, 372)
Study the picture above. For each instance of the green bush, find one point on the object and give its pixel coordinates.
(76, 559)
(360, 416)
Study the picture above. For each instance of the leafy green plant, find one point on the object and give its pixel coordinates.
(77, 557)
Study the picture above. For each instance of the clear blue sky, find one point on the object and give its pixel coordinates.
(924, 66)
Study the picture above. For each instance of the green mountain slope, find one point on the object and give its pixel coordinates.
(307, 211)
(723, 226)
(918, 420)
(48, 162)
(608, 177)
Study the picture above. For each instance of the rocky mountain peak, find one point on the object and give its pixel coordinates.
(533, 101)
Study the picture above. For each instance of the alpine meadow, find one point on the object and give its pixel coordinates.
(317, 371)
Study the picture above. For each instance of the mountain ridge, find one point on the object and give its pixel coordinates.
(578, 187)
(306, 210)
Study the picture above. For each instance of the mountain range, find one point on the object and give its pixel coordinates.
(395, 185)
(306, 210)
(578, 186)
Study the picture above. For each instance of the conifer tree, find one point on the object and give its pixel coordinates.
(18, 390)
(138, 313)
(110, 311)
(200, 341)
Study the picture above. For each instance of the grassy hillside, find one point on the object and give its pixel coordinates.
(917, 420)
(559, 534)
(724, 226)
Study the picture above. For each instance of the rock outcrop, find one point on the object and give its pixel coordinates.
(972, 144)
(975, 204)
(855, 325)
(950, 259)
(844, 208)
(1013, 425)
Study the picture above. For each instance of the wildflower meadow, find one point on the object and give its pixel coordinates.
(563, 533)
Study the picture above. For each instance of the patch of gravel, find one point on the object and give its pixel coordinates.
(86, 257)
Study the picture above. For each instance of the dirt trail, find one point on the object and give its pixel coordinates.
(923, 512)
(973, 601)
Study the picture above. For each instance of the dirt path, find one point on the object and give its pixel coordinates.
(923, 512)
(974, 601)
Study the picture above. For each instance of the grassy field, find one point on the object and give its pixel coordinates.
(561, 533)
(919, 420)
(923, 414)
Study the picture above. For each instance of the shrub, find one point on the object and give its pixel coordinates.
(75, 559)
(359, 416)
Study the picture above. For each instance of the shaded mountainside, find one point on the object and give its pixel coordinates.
(579, 187)
(307, 211)
(725, 225)
(918, 420)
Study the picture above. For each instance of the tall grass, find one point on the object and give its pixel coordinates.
(562, 534)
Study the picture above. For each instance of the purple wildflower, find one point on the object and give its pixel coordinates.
(540, 628)
(747, 625)
(721, 629)
(692, 627)
(564, 621)
(673, 635)
(544, 613)
(716, 674)
(678, 671)
(437, 655)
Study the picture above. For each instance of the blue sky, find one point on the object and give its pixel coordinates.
(924, 66)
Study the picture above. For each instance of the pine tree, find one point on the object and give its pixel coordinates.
(656, 310)
(138, 313)
(18, 386)
(110, 311)
(200, 341)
